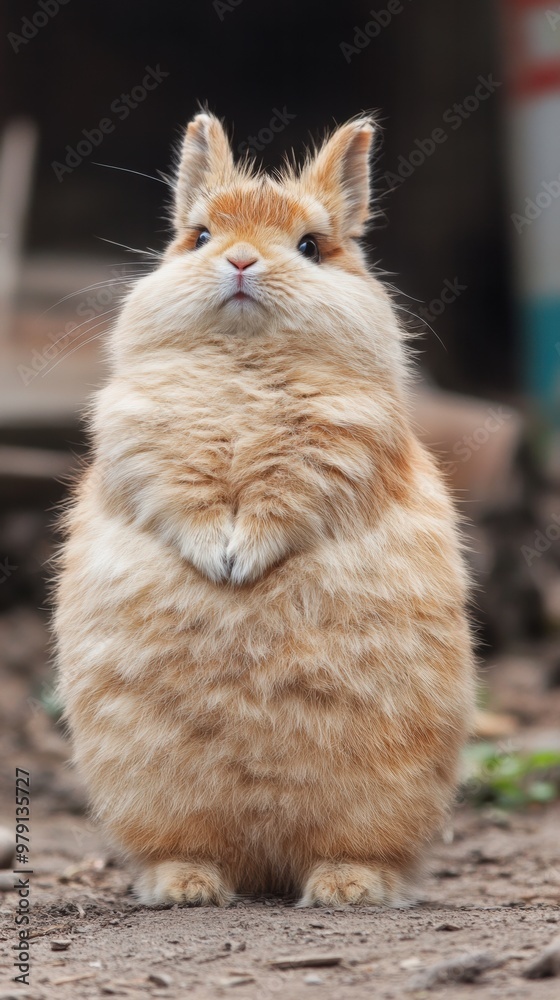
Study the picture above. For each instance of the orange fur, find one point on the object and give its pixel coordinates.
(262, 642)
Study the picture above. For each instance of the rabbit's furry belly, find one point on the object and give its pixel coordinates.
(317, 708)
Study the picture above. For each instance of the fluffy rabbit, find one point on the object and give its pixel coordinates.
(262, 643)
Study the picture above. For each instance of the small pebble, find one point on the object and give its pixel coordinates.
(312, 979)
(160, 979)
(235, 946)
(60, 944)
(410, 963)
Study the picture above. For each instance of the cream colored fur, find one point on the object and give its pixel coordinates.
(262, 642)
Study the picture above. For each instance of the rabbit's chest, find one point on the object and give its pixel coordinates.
(254, 417)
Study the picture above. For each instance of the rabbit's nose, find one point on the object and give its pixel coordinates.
(242, 262)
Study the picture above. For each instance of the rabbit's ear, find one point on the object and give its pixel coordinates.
(340, 175)
(206, 159)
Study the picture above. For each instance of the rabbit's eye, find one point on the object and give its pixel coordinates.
(202, 239)
(307, 246)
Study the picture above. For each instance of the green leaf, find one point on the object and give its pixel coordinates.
(544, 758)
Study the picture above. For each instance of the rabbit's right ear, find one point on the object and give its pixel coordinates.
(206, 160)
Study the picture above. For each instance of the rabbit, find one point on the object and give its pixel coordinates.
(263, 645)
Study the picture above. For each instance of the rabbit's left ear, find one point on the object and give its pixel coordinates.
(340, 175)
(206, 160)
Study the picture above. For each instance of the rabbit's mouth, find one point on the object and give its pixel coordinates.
(241, 296)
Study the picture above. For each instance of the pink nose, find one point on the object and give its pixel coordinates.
(242, 263)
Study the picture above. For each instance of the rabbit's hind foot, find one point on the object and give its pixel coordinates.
(189, 883)
(346, 884)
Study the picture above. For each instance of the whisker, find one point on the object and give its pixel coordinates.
(99, 317)
(149, 252)
(394, 288)
(124, 280)
(127, 170)
(425, 323)
(74, 349)
(399, 291)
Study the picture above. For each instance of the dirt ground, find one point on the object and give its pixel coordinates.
(493, 888)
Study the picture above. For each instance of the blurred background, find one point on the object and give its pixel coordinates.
(467, 186)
